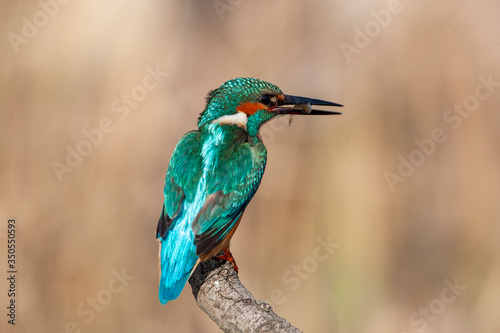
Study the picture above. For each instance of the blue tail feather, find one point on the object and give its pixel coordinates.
(177, 259)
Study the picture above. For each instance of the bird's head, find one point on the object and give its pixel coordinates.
(249, 103)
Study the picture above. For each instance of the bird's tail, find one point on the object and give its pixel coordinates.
(177, 260)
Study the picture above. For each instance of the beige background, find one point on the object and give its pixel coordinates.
(326, 177)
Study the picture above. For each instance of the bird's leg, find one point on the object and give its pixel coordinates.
(228, 256)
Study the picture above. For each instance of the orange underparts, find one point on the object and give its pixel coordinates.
(221, 250)
(250, 108)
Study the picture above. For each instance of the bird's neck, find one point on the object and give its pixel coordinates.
(221, 132)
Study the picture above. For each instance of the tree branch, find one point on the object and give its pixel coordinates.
(220, 294)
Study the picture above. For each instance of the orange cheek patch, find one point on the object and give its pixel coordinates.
(250, 108)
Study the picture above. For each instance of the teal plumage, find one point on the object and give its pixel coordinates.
(213, 174)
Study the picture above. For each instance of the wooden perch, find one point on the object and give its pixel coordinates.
(220, 294)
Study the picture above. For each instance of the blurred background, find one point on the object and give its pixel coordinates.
(404, 188)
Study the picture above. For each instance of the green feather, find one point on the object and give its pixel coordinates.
(237, 165)
(184, 172)
(224, 100)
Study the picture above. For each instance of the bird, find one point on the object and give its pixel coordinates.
(213, 174)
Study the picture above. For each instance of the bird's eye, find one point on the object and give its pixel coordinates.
(268, 100)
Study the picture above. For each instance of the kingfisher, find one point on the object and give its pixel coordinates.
(213, 174)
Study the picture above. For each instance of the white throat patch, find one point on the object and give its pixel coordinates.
(239, 118)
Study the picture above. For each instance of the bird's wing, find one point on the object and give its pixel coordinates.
(184, 172)
(236, 176)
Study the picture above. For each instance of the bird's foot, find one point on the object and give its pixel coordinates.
(228, 256)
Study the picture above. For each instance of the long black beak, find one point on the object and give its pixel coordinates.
(303, 105)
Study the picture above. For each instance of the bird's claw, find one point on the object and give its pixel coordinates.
(228, 256)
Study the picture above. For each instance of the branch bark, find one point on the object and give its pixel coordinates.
(220, 294)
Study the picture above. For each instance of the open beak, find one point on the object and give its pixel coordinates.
(302, 105)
